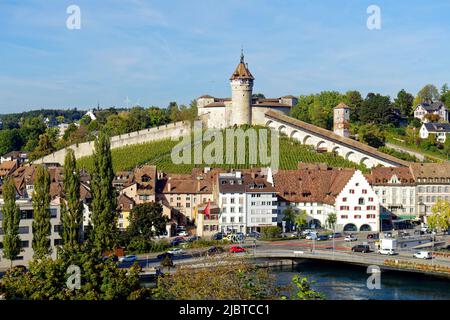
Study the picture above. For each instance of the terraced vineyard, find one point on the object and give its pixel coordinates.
(159, 153)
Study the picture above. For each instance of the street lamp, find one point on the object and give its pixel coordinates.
(334, 235)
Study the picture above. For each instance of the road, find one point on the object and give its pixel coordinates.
(337, 250)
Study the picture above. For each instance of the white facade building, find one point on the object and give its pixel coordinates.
(436, 108)
(247, 202)
(232, 202)
(432, 183)
(321, 191)
(440, 130)
(396, 189)
(357, 206)
(26, 232)
(261, 205)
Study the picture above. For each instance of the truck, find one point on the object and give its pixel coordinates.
(388, 244)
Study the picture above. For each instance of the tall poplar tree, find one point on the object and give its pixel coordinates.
(10, 223)
(41, 208)
(72, 212)
(104, 218)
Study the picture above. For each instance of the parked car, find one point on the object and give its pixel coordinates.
(387, 234)
(307, 231)
(335, 235)
(130, 258)
(350, 238)
(323, 238)
(364, 248)
(218, 236)
(311, 236)
(194, 238)
(254, 234)
(183, 233)
(236, 249)
(176, 251)
(423, 255)
(176, 241)
(163, 255)
(388, 252)
(373, 236)
(114, 258)
(236, 237)
(214, 250)
(20, 267)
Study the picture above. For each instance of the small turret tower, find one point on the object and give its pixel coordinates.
(241, 82)
(342, 120)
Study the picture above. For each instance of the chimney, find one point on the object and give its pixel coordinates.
(198, 185)
(270, 176)
(169, 185)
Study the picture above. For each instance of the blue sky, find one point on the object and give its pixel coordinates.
(155, 52)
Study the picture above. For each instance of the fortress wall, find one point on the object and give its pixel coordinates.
(147, 135)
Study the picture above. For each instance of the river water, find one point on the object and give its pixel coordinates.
(348, 282)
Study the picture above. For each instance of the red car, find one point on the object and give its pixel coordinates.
(236, 249)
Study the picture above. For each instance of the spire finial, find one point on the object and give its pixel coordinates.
(242, 55)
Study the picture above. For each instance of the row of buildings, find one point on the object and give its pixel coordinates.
(247, 200)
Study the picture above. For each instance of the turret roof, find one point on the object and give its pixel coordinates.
(341, 106)
(242, 71)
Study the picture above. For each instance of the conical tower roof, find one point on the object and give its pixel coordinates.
(242, 71)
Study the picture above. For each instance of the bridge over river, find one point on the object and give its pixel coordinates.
(268, 257)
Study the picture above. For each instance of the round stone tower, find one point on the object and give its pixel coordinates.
(241, 82)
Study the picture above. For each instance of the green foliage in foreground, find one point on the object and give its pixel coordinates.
(47, 279)
(158, 153)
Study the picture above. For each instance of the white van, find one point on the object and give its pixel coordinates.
(423, 255)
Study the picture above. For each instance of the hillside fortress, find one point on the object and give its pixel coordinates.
(242, 107)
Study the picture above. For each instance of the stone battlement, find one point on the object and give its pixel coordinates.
(85, 149)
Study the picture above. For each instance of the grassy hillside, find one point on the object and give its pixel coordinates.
(158, 153)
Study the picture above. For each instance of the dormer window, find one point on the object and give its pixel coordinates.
(145, 178)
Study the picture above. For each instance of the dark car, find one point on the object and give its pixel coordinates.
(254, 234)
(177, 241)
(361, 248)
(335, 235)
(20, 267)
(163, 255)
(373, 236)
(218, 236)
(194, 238)
(323, 238)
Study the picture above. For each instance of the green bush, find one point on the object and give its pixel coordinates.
(270, 232)
(139, 245)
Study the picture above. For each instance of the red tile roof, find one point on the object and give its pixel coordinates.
(312, 184)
